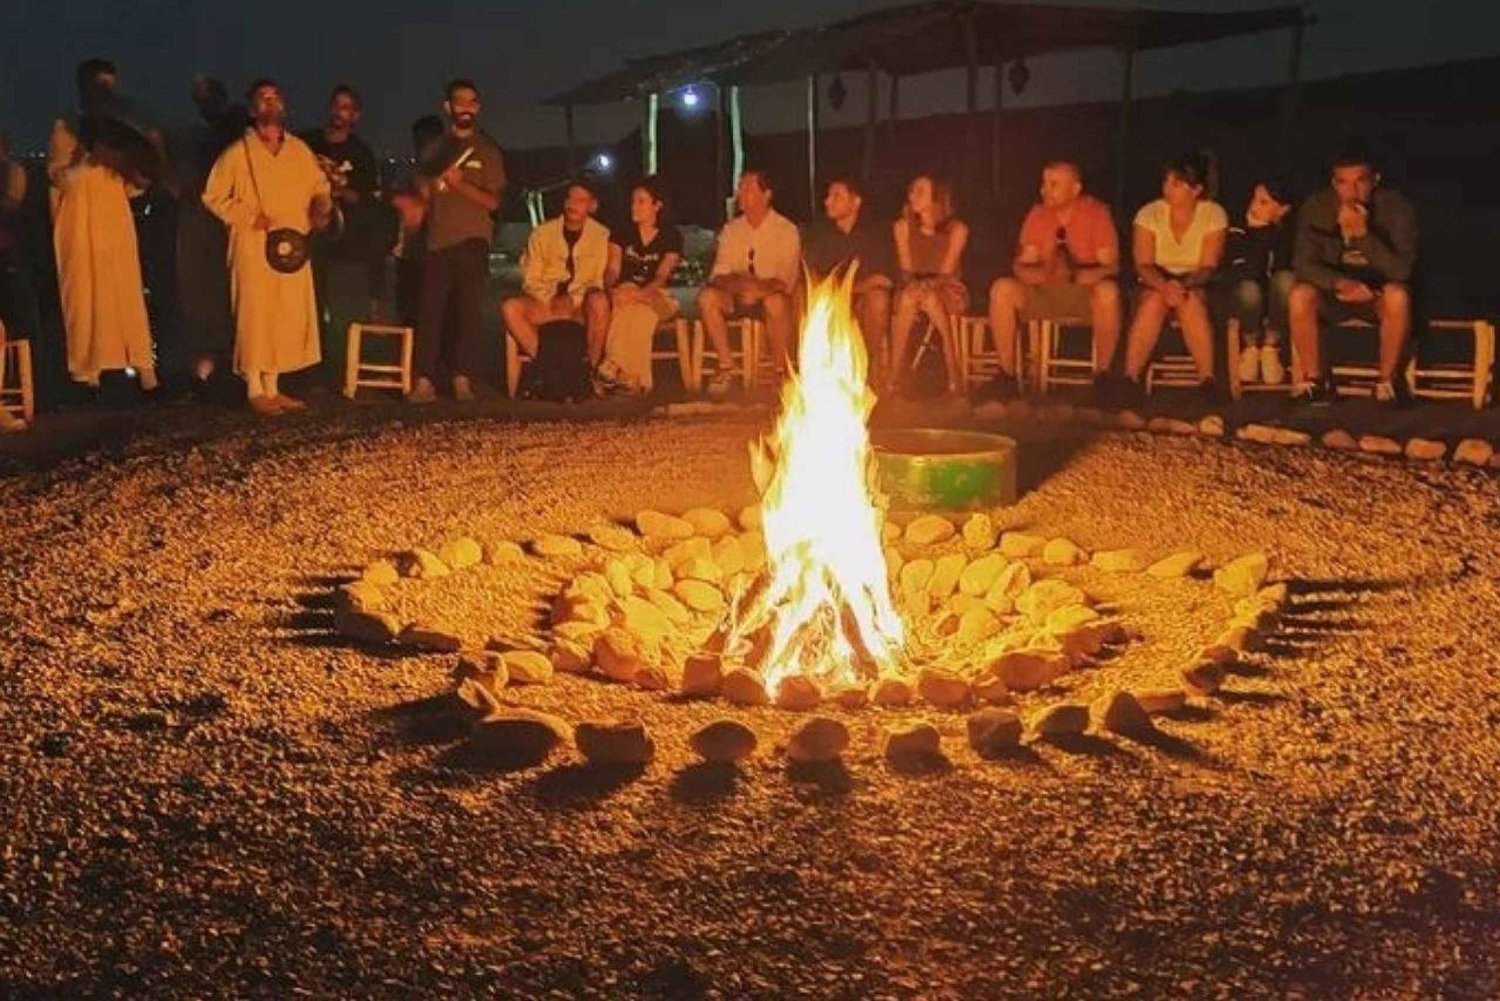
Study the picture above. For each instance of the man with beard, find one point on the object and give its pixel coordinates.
(348, 266)
(202, 247)
(467, 178)
(269, 181)
(98, 260)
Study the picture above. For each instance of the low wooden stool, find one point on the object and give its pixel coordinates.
(1456, 380)
(981, 362)
(752, 333)
(360, 374)
(681, 351)
(16, 390)
(1053, 368)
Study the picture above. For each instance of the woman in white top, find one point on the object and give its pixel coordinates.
(1178, 240)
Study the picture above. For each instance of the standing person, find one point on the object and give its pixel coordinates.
(930, 243)
(98, 258)
(642, 258)
(562, 276)
(1067, 260)
(1177, 245)
(847, 234)
(202, 244)
(1255, 281)
(757, 266)
(349, 264)
(467, 169)
(1356, 249)
(18, 303)
(262, 186)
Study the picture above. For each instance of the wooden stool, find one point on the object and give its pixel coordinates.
(681, 352)
(1053, 368)
(1456, 380)
(359, 373)
(752, 333)
(981, 363)
(16, 392)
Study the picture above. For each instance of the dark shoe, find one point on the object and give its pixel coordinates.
(1126, 393)
(1104, 392)
(1210, 393)
(1000, 389)
(1318, 393)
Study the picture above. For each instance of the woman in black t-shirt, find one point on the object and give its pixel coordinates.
(642, 257)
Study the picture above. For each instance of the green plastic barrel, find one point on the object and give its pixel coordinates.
(948, 470)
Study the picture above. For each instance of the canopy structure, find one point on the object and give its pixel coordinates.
(920, 38)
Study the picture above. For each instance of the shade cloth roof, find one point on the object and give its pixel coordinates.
(920, 38)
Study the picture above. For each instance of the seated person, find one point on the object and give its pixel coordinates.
(1356, 246)
(562, 276)
(1177, 244)
(757, 266)
(1066, 263)
(1258, 267)
(847, 234)
(642, 257)
(930, 243)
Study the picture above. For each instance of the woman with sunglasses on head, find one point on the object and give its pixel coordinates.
(930, 243)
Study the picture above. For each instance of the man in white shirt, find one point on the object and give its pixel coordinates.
(756, 270)
(562, 276)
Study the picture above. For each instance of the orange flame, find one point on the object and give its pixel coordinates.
(826, 609)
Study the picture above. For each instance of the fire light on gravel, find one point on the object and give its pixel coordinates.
(825, 609)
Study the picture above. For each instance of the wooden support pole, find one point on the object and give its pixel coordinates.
(737, 138)
(812, 145)
(872, 88)
(648, 134)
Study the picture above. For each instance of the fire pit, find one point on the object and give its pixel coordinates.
(925, 468)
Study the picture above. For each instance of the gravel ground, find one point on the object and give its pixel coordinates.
(205, 794)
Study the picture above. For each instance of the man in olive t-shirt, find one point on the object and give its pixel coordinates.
(467, 180)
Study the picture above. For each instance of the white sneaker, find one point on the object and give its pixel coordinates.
(1249, 363)
(1272, 372)
(1385, 392)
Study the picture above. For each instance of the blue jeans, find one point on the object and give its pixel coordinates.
(1245, 300)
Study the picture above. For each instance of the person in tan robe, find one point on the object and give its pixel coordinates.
(98, 266)
(269, 180)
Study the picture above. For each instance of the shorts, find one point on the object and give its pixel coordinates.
(1335, 311)
(951, 292)
(1057, 301)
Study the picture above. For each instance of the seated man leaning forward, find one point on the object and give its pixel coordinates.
(846, 234)
(1355, 249)
(756, 269)
(562, 276)
(1066, 263)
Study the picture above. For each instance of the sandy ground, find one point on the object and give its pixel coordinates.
(206, 794)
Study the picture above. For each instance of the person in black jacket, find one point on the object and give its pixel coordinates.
(1255, 280)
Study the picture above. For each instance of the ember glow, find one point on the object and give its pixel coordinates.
(825, 610)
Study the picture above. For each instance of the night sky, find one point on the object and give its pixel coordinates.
(399, 54)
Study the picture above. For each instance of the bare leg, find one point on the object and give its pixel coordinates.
(778, 309)
(905, 315)
(937, 315)
(1302, 317)
(596, 322)
(519, 314)
(1145, 329)
(1006, 298)
(1394, 309)
(875, 322)
(714, 306)
(1198, 333)
(1104, 305)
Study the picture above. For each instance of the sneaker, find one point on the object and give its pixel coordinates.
(423, 392)
(1317, 393)
(720, 383)
(1250, 363)
(1272, 372)
(1385, 392)
(463, 390)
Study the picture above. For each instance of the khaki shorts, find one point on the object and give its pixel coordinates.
(1057, 301)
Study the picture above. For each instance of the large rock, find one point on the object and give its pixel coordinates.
(992, 691)
(1019, 545)
(1290, 436)
(1062, 720)
(1121, 712)
(1425, 449)
(890, 692)
(1376, 444)
(422, 564)
(383, 573)
(919, 740)
(980, 575)
(1474, 452)
(699, 595)
(749, 518)
(614, 742)
(994, 732)
(461, 552)
(619, 655)
(1170, 425)
(976, 623)
(655, 524)
(376, 628)
(571, 656)
(527, 667)
(555, 546)
(422, 636)
(914, 578)
(499, 552)
(1129, 420)
(517, 736)
(1262, 434)
(1211, 426)
(943, 689)
(1122, 560)
(1160, 700)
(612, 537)
(723, 741)
(979, 532)
(1028, 670)
(929, 530)
(651, 678)
(819, 739)
(728, 556)
(1204, 678)
(1045, 596)
(945, 573)
(1062, 552)
(743, 687)
(681, 553)
(852, 697)
(702, 674)
(621, 583)
(1340, 440)
(644, 619)
(1062, 619)
(675, 611)
(1179, 564)
(707, 522)
(798, 693)
(1013, 582)
(1244, 575)
(360, 596)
